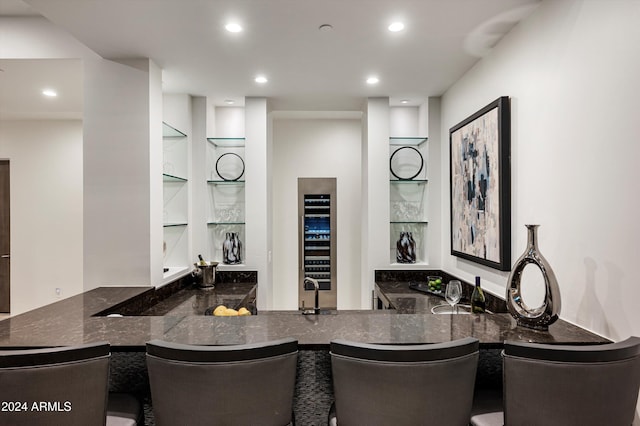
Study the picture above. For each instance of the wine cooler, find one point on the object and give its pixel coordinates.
(317, 236)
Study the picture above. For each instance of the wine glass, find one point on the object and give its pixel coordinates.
(453, 293)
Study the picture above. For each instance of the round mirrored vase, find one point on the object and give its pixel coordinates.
(546, 314)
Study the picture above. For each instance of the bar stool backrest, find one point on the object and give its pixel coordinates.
(249, 384)
(428, 384)
(55, 386)
(571, 385)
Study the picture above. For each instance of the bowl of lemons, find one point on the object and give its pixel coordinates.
(223, 311)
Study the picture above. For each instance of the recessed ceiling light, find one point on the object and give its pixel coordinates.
(233, 27)
(229, 101)
(49, 93)
(373, 80)
(396, 26)
(404, 101)
(325, 27)
(261, 79)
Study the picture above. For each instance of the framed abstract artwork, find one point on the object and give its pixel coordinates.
(480, 177)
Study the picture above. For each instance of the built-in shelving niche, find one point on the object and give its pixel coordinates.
(408, 194)
(226, 194)
(175, 189)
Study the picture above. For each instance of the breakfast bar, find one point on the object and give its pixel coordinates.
(129, 317)
(84, 319)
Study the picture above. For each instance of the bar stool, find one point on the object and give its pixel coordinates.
(65, 385)
(430, 384)
(248, 384)
(567, 385)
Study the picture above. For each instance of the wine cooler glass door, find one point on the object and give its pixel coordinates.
(317, 241)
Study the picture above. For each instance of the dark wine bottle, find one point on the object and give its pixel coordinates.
(201, 261)
(478, 303)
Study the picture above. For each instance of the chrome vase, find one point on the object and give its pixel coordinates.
(232, 249)
(541, 317)
(406, 248)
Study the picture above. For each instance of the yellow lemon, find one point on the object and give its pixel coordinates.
(244, 312)
(230, 313)
(219, 310)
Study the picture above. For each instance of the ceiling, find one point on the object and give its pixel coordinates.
(307, 69)
(23, 80)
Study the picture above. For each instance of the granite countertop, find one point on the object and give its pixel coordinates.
(406, 300)
(73, 321)
(195, 301)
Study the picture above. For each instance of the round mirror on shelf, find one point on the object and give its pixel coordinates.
(406, 163)
(230, 166)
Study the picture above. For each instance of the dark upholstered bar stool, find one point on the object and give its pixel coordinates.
(429, 384)
(567, 385)
(249, 384)
(61, 386)
(124, 410)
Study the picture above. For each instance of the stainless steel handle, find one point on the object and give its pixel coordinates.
(302, 259)
(5, 256)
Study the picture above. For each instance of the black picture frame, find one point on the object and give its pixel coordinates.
(480, 186)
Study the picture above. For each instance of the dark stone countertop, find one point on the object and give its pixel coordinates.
(71, 321)
(195, 301)
(394, 285)
(406, 300)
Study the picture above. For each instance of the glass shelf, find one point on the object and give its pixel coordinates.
(410, 222)
(227, 142)
(170, 225)
(407, 141)
(226, 182)
(171, 132)
(413, 181)
(172, 178)
(225, 223)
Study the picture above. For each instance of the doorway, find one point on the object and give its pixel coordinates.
(5, 287)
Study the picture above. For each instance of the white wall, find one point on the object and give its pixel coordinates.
(122, 135)
(436, 177)
(571, 70)
(316, 148)
(198, 180)
(375, 198)
(257, 194)
(230, 122)
(46, 210)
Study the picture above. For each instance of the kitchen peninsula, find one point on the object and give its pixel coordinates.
(178, 315)
(83, 318)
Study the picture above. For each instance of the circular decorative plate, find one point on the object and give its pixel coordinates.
(230, 166)
(408, 164)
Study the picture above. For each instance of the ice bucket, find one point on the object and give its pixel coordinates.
(205, 274)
